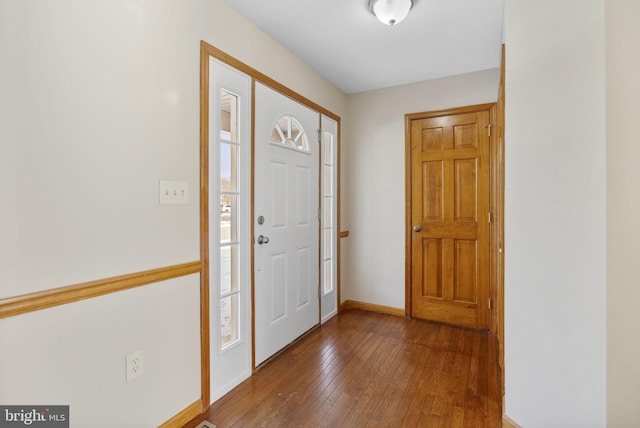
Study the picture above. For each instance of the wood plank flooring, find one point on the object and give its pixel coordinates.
(364, 369)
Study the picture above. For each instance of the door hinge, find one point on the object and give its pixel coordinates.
(319, 217)
(488, 126)
(490, 217)
(490, 304)
(319, 135)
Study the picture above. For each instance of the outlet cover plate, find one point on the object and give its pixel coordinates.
(134, 364)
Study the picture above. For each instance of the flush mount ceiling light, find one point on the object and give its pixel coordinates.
(390, 12)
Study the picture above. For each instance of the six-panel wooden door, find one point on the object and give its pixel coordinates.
(449, 168)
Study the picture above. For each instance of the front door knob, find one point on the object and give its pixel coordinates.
(417, 228)
(263, 240)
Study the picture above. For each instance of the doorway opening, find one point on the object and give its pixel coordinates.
(449, 215)
(229, 222)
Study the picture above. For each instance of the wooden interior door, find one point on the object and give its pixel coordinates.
(449, 216)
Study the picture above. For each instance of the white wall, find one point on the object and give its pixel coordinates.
(555, 238)
(375, 178)
(74, 355)
(623, 205)
(98, 101)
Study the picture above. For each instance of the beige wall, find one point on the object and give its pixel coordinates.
(555, 214)
(374, 178)
(98, 101)
(101, 101)
(623, 205)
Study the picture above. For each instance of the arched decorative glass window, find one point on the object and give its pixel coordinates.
(288, 132)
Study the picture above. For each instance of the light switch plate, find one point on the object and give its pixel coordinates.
(173, 192)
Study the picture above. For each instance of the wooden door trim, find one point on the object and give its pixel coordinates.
(499, 182)
(263, 78)
(205, 358)
(408, 203)
(447, 112)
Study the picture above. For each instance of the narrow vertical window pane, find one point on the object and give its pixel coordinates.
(328, 244)
(328, 148)
(328, 212)
(228, 167)
(328, 276)
(328, 216)
(328, 180)
(228, 218)
(228, 116)
(229, 280)
(229, 316)
(228, 269)
(225, 270)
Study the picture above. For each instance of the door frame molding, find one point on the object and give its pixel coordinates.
(206, 51)
(496, 192)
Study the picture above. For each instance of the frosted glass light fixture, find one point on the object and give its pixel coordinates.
(390, 12)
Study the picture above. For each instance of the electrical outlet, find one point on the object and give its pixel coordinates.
(134, 363)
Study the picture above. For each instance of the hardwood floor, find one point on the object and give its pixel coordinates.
(365, 369)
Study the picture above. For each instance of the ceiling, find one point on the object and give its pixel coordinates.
(346, 44)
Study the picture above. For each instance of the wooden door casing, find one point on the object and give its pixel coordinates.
(448, 182)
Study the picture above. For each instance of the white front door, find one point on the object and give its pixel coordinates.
(286, 225)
